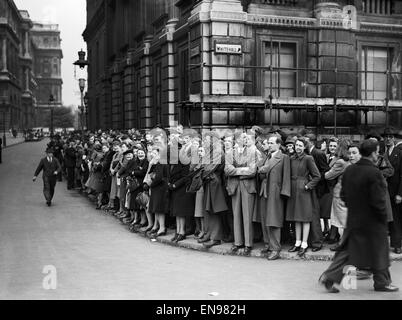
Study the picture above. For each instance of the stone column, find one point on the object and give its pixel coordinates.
(4, 55)
(170, 27)
(146, 85)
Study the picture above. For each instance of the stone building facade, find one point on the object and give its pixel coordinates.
(331, 65)
(22, 83)
(46, 42)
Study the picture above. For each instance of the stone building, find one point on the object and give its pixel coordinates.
(46, 42)
(330, 65)
(17, 85)
(29, 67)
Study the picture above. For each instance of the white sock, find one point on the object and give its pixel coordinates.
(298, 243)
(304, 245)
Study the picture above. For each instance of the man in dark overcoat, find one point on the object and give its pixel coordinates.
(320, 159)
(51, 169)
(395, 188)
(365, 241)
(69, 163)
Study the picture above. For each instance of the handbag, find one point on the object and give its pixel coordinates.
(142, 199)
(195, 183)
(132, 183)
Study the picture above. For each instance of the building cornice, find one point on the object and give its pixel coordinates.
(94, 24)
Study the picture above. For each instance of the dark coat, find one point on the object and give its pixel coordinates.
(274, 188)
(321, 162)
(139, 172)
(182, 204)
(69, 158)
(366, 234)
(49, 168)
(159, 198)
(215, 199)
(105, 163)
(395, 181)
(301, 203)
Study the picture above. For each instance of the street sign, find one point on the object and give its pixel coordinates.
(226, 48)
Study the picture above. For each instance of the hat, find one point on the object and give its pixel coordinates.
(290, 140)
(128, 152)
(98, 147)
(188, 132)
(49, 150)
(373, 134)
(389, 131)
(398, 134)
(212, 134)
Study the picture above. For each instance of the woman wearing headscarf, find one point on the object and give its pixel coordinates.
(305, 177)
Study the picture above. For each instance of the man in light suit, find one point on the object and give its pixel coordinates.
(51, 168)
(274, 185)
(241, 186)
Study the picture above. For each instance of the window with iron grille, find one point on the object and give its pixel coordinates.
(375, 61)
(280, 83)
(379, 6)
(280, 2)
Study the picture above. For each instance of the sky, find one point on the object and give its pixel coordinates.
(70, 15)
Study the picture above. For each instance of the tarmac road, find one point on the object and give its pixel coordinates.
(95, 257)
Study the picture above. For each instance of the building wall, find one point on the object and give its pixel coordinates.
(151, 53)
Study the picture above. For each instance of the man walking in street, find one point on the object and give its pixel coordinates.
(365, 240)
(51, 168)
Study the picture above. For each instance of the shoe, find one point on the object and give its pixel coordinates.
(398, 250)
(336, 247)
(49, 203)
(180, 237)
(209, 245)
(175, 237)
(202, 240)
(161, 234)
(328, 284)
(301, 252)
(235, 248)
(142, 225)
(196, 233)
(274, 255)
(247, 251)
(315, 249)
(265, 250)
(389, 288)
(152, 232)
(294, 249)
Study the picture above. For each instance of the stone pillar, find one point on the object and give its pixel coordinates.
(26, 44)
(170, 28)
(146, 84)
(4, 55)
(26, 79)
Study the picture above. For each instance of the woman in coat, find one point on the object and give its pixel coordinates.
(305, 177)
(114, 188)
(94, 183)
(338, 209)
(139, 172)
(159, 197)
(215, 205)
(182, 203)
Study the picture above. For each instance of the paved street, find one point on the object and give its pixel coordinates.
(97, 258)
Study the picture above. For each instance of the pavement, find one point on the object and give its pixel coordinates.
(72, 251)
(11, 141)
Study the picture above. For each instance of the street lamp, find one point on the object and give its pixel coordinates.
(82, 63)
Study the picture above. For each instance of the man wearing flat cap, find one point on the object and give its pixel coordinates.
(51, 168)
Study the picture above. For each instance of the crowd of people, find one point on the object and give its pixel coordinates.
(233, 186)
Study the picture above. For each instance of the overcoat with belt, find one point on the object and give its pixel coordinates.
(366, 234)
(274, 187)
(301, 204)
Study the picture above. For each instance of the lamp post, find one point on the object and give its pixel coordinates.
(82, 63)
(86, 101)
(81, 83)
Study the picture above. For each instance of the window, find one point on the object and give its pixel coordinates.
(374, 85)
(280, 83)
(46, 67)
(379, 6)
